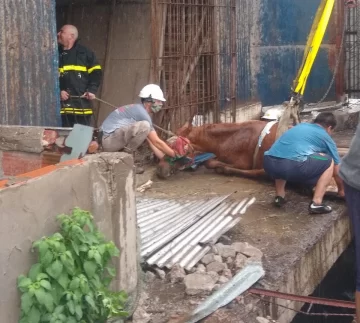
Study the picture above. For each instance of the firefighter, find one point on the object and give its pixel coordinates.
(80, 77)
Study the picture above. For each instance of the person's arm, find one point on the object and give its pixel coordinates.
(95, 75)
(339, 181)
(159, 144)
(331, 146)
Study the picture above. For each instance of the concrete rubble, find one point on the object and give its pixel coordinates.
(213, 271)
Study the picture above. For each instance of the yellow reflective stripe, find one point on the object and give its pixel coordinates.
(76, 111)
(77, 68)
(96, 67)
(80, 113)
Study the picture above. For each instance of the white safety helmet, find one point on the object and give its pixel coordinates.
(273, 113)
(152, 91)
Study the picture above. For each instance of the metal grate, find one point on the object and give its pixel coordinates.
(186, 57)
(352, 51)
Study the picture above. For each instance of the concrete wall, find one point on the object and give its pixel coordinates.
(102, 184)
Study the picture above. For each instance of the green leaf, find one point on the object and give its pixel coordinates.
(75, 283)
(90, 301)
(23, 283)
(91, 254)
(47, 258)
(45, 284)
(90, 268)
(40, 295)
(111, 271)
(41, 276)
(97, 258)
(71, 307)
(55, 269)
(84, 287)
(34, 315)
(43, 247)
(78, 312)
(63, 280)
(34, 271)
(75, 247)
(59, 309)
(71, 320)
(26, 302)
(49, 302)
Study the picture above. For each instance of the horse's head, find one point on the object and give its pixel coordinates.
(185, 130)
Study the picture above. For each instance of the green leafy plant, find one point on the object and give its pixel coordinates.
(70, 282)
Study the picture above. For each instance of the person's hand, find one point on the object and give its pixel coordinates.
(64, 96)
(89, 96)
(341, 193)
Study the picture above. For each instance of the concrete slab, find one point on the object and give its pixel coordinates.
(298, 248)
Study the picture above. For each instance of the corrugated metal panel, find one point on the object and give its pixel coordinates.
(270, 40)
(182, 231)
(278, 45)
(28, 63)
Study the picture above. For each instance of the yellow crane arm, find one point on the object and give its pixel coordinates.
(314, 41)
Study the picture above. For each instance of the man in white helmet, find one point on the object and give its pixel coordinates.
(127, 127)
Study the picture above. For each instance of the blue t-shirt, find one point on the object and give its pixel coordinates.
(302, 141)
(125, 116)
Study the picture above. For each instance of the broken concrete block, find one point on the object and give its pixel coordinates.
(216, 266)
(229, 260)
(201, 269)
(218, 258)
(141, 316)
(214, 275)
(262, 320)
(227, 273)
(225, 251)
(161, 274)
(222, 280)
(208, 258)
(240, 261)
(177, 274)
(247, 250)
(149, 276)
(197, 284)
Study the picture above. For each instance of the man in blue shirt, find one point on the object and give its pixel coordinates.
(308, 155)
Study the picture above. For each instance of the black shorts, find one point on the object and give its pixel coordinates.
(305, 172)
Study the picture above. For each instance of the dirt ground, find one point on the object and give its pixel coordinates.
(282, 235)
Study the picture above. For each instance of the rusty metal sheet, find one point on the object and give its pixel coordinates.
(28, 63)
(277, 47)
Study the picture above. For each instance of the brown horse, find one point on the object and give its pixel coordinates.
(236, 145)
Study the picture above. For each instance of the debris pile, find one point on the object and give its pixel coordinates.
(214, 269)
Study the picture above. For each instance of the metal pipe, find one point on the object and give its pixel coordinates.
(303, 299)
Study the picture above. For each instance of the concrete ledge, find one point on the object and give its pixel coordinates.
(102, 184)
(310, 270)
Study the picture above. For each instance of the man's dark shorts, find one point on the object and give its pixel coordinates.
(306, 172)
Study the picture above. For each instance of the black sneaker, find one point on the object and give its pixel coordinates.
(319, 208)
(279, 201)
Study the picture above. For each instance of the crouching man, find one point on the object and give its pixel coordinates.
(129, 126)
(306, 154)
